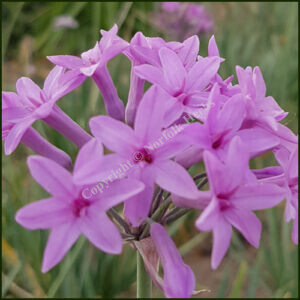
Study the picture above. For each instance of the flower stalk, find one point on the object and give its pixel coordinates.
(143, 281)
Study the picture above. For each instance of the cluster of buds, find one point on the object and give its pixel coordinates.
(189, 115)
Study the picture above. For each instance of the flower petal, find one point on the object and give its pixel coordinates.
(179, 279)
(259, 83)
(92, 150)
(175, 179)
(44, 214)
(51, 176)
(117, 192)
(152, 74)
(66, 61)
(246, 222)
(108, 168)
(15, 135)
(27, 89)
(232, 115)
(115, 135)
(188, 53)
(261, 196)
(60, 240)
(200, 203)
(212, 47)
(201, 73)
(173, 69)
(209, 217)
(149, 118)
(137, 208)
(101, 231)
(257, 140)
(222, 233)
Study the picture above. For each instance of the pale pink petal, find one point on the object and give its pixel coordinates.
(90, 151)
(107, 168)
(212, 47)
(179, 279)
(173, 69)
(189, 157)
(216, 172)
(52, 177)
(117, 192)
(175, 179)
(66, 61)
(209, 217)
(222, 233)
(101, 231)
(201, 73)
(232, 115)
(200, 203)
(89, 70)
(149, 118)
(246, 222)
(255, 197)
(152, 74)
(188, 53)
(137, 208)
(259, 83)
(15, 135)
(174, 110)
(12, 115)
(115, 135)
(60, 240)
(44, 214)
(10, 99)
(237, 164)
(27, 89)
(52, 81)
(257, 140)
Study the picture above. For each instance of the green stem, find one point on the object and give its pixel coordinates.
(143, 281)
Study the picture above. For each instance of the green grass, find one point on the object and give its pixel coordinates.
(263, 34)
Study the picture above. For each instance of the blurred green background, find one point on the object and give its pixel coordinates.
(263, 34)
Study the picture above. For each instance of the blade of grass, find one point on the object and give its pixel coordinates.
(67, 264)
(15, 10)
(239, 281)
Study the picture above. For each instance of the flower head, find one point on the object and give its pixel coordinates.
(71, 211)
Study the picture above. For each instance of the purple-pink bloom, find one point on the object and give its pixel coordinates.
(147, 150)
(233, 200)
(288, 180)
(93, 63)
(30, 103)
(70, 212)
(222, 121)
(179, 279)
(142, 50)
(186, 89)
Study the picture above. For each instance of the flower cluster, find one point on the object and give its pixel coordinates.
(187, 116)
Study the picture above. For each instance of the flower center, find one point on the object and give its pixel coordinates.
(79, 207)
(224, 201)
(142, 155)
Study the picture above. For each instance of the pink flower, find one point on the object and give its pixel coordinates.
(179, 279)
(93, 63)
(148, 163)
(69, 213)
(31, 103)
(186, 89)
(233, 200)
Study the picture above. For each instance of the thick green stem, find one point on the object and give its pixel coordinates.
(143, 280)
